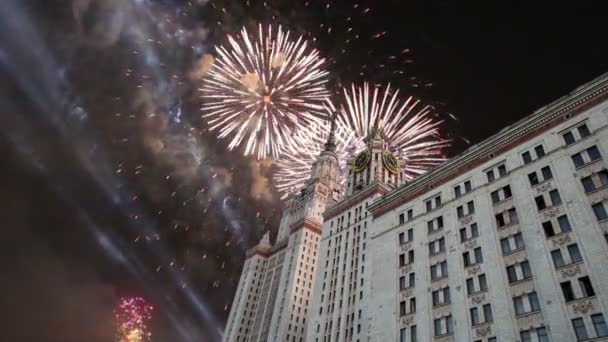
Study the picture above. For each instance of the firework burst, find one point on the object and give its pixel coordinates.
(132, 315)
(408, 123)
(261, 88)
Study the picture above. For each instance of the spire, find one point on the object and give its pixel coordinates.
(330, 145)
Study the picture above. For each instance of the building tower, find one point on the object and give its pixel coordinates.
(341, 278)
(274, 293)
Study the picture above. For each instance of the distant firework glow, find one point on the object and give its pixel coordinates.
(409, 125)
(132, 315)
(261, 88)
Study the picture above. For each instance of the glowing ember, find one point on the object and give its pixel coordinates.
(132, 315)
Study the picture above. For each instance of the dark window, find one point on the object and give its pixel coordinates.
(526, 270)
(546, 171)
(412, 279)
(564, 224)
(588, 184)
(534, 303)
(600, 211)
(558, 258)
(470, 286)
(495, 197)
(402, 308)
(502, 170)
(487, 313)
(483, 284)
(457, 192)
(402, 284)
(577, 159)
(548, 228)
(583, 131)
(512, 215)
(429, 206)
(600, 325)
(579, 329)
(507, 191)
(467, 186)
(460, 211)
(533, 178)
(569, 138)
(474, 316)
(401, 259)
(401, 219)
(575, 254)
(511, 274)
(567, 291)
(586, 286)
(603, 176)
(401, 238)
(506, 247)
(500, 220)
(410, 214)
(474, 230)
(463, 234)
(410, 234)
(540, 151)
(540, 202)
(555, 197)
(438, 201)
(594, 153)
(490, 175)
(527, 157)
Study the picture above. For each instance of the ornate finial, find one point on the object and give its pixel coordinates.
(330, 145)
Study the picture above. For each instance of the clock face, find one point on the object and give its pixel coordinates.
(390, 162)
(361, 161)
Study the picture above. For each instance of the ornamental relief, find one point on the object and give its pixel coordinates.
(543, 187)
(466, 220)
(470, 244)
(583, 307)
(404, 247)
(478, 299)
(551, 212)
(561, 240)
(474, 269)
(483, 331)
(572, 271)
(405, 269)
(407, 321)
(405, 294)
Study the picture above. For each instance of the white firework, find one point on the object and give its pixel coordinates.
(409, 125)
(262, 88)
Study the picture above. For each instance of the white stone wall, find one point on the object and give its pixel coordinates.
(555, 314)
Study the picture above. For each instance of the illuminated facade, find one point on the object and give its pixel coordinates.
(504, 242)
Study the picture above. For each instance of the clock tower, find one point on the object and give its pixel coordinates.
(377, 163)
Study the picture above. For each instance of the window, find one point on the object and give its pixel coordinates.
(403, 335)
(575, 134)
(541, 335)
(533, 178)
(575, 254)
(439, 270)
(519, 272)
(587, 156)
(586, 287)
(512, 243)
(546, 172)
(441, 296)
(437, 246)
(558, 258)
(527, 157)
(413, 334)
(495, 173)
(599, 324)
(457, 192)
(470, 233)
(401, 238)
(588, 184)
(579, 329)
(567, 291)
(490, 175)
(555, 197)
(402, 283)
(410, 214)
(468, 261)
(401, 218)
(540, 202)
(481, 280)
(412, 279)
(433, 203)
(443, 326)
(600, 211)
(470, 209)
(540, 151)
(467, 186)
(564, 224)
(526, 303)
(435, 225)
(487, 315)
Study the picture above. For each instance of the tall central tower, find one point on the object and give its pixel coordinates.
(341, 277)
(276, 286)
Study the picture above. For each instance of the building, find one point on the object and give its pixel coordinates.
(273, 296)
(504, 242)
(514, 230)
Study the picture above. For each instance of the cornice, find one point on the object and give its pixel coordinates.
(540, 121)
(374, 188)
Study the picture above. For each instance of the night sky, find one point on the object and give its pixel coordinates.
(112, 185)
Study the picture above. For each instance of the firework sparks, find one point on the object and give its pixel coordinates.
(410, 126)
(261, 88)
(132, 315)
